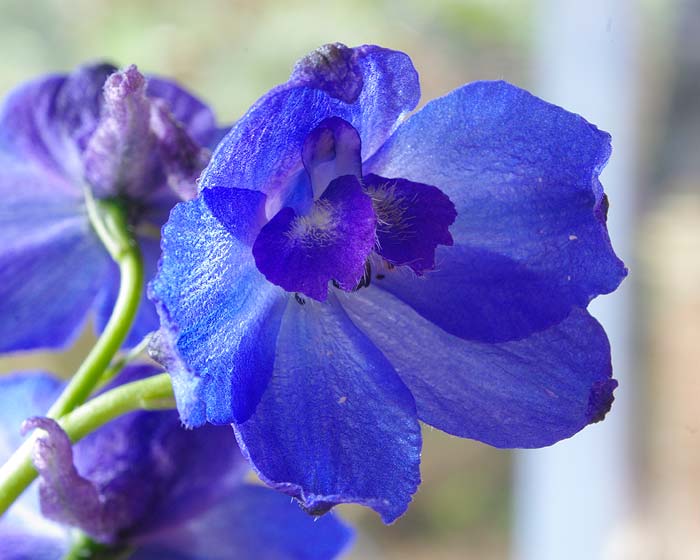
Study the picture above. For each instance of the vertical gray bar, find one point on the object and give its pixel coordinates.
(572, 500)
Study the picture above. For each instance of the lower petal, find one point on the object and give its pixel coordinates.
(251, 522)
(526, 393)
(355, 437)
(483, 296)
(303, 253)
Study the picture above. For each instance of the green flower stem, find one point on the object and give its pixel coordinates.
(122, 361)
(109, 221)
(152, 393)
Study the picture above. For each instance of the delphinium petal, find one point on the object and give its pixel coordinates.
(267, 141)
(530, 392)
(348, 432)
(250, 522)
(232, 312)
(530, 241)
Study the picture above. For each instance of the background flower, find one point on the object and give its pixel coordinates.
(143, 482)
(116, 135)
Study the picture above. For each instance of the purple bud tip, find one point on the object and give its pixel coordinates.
(122, 84)
(600, 400)
(332, 68)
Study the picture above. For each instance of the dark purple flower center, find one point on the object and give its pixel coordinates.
(353, 225)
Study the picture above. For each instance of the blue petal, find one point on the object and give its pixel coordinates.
(303, 253)
(479, 295)
(526, 393)
(22, 396)
(18, 545)
(220, 314)
(523, 175)
(263, 150)
(251, 522)
(24, 533)
(355, 436)
(48, 281)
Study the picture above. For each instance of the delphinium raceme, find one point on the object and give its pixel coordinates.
(339, 272)
(347, 272)
(143, 487)
(92, 162)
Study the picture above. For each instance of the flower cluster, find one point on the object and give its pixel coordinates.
(330, 273)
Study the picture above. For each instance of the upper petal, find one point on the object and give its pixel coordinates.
(48, 121)
(251, 522)
(263, 149)
(355, 436)
(523, 175)
(526, 393)
(219, 314)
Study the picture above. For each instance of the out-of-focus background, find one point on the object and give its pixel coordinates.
(628, 488)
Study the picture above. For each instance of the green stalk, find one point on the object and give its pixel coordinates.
(152, 393)
(109, 221)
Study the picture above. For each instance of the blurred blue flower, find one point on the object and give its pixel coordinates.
(140, 142)
(144, 483)
(346, 272)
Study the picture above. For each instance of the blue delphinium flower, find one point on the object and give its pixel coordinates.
(145, 484)
(115, 134)
(346, 272)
